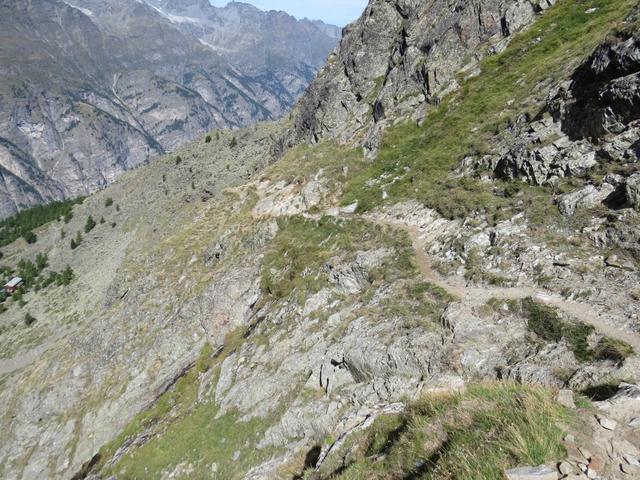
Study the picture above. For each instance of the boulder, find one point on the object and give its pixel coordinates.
(632, 190)
(586, 197)
(616, 262)
(565, 398)
(577, 163)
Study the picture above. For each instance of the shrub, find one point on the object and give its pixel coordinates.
(178, 160)
(545, 322)
(91, 223)
(117, 207)
(542, 320)
(28, 271)
(108, 202)
(30, 237)
(207, 139)
(17, 295)
(113, 224)
(102, 220)
(512, 189)
(577, 335)
(65, 277)
(75, 242)
(29, 320)
(612, 349)
(42, 260)
(234, 142)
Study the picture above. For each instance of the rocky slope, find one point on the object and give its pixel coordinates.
(92, 88)
(312, 312)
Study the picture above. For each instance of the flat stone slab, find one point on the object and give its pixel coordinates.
(541, 472)
(607, 423)
(565, 398)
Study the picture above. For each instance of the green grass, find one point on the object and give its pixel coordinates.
(546, 323)
(200, 439)
(612, 349)
(465, 122)
(184, 430)
(296, 257)
(468, 435)
(543, 320)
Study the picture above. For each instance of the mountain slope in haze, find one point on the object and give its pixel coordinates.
(275, 304)
(91, 88)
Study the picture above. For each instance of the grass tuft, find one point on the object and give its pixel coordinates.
(467, 435)
(545, 322)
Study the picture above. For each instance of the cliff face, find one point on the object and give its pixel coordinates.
(90, 89)
(399, 58)
(249, 313)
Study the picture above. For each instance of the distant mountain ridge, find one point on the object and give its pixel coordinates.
(90, 88)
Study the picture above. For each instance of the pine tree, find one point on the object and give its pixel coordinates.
(65, 277)
(42, 261)
(91, 223)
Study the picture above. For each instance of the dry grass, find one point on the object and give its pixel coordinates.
(467, 435)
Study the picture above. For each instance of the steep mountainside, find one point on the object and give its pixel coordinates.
(457, 299)
(91, 88)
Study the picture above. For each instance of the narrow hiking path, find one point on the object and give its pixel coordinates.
(480, 295)
(471, 295)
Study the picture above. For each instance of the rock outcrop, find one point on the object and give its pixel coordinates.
(590, 121)
(397, 59)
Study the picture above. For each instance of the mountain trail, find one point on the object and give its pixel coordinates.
(479, 295)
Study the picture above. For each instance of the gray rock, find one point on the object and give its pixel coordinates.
(610, 76)
(632, 189)
(565, 398)
(354, 277)
(72, 125)
(607, 423)
(394, 52)
(542, 472)
(566, 468)
(586, 197)
(616, 262)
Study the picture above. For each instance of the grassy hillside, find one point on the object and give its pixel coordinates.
(468, 435)
(263, 271)
(418, 161)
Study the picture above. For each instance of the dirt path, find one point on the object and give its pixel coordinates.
(477, 296)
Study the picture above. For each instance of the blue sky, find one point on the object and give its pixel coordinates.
(337, 12)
